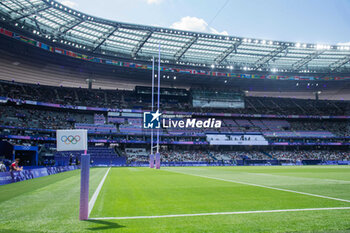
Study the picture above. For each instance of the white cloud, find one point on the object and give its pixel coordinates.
(214, 31)
(69, 3)
(154, 1)
(189, 23)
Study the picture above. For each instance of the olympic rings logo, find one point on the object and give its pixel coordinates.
(70, 139)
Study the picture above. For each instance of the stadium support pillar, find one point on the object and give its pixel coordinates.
(151, 161)
(89, 81)
(84, 187)
(157, 161)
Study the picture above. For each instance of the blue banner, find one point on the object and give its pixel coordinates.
(12, 177)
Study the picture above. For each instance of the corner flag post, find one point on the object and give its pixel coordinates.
(157, 154)
(84, 186)
(151, 156)
(77, 140)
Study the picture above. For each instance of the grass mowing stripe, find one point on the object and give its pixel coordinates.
(94, 197)
(222, 213)
(264, 186)
(9, 191)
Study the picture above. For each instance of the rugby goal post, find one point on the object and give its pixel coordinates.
(77, 140)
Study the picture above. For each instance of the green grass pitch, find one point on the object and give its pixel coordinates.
(51, 204)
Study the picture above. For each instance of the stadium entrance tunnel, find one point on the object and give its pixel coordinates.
(28, 155)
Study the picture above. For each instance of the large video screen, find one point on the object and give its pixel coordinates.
(217, 99)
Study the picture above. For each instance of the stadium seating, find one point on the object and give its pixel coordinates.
(300, 134)
(128, 99)
(99, 156)
(102, 128)
(23, 121)
(232, 156)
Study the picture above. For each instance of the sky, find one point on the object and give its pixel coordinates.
(305, 21)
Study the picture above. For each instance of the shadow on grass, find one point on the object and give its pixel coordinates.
(106, 225)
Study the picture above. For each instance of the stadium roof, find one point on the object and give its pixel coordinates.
(63, 25)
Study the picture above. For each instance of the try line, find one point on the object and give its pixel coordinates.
(264, 186)
(221, 213)
(99, 187)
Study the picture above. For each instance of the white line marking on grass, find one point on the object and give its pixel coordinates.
(299, 178)
(264, 186)
(94, 197)
(222, 213)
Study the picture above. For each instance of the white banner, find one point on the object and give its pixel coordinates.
(71, 140)
(217, 104)
(113, 114)
(231, 139)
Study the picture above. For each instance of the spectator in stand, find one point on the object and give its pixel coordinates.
(2, 167)
(14, 166)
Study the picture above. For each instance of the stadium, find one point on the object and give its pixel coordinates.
(108, 126)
